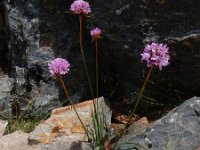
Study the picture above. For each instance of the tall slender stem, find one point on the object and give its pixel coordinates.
(84, 62)
(97, 71)
(137, 102)
(97, 90)
(72, 104)
(81, 33)
(141, 92)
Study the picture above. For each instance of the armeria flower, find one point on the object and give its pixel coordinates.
(59, 66)
(95, 33)
(80, 7)
(156, 54)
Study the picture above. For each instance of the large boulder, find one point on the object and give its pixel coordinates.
(41, 30)
(178, 130)
(64, 125)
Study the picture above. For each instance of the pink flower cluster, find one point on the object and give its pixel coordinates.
(156, 54)
(95, 33)
(59, 66)
(80, 7)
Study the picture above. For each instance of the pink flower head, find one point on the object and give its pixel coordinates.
(59, 66)
(156, 54)
(95, 33)
(80, 7)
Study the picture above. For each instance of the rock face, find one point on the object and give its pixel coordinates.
(6, 99)
(40, 30)
(178, 130)
(35, 92)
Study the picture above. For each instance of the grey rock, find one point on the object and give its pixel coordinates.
(6, 87)
(20, 81)
(18, 141)
(103, 109)
(39, 31)
(86, 146)
(127, 26)
(66, 143)
(43, 98)
(178, 130)
(35, 92)
(3, 125)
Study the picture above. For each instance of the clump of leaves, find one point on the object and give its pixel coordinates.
(21, 123)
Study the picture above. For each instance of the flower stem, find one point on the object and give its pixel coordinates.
(140, 94)
(97, 91)
(84, 62)
(81, 32)
(97, 71)
(135, 107)
(72, 104)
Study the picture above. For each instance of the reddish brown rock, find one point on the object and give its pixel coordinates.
(124, 119)
(64, 122)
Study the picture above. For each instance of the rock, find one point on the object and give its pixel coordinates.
(3, 125)
(86, 146)
(117, 128)
(17, 141)
(179, 129)
(142, 121)
(63, 125)
(35, 92)
(6, 87)
(134, 129)
(81, 146)
(66, 143)
(44, 98)
(35, 38)
(124, 119)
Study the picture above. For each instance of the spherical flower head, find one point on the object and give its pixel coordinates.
(156, 54)
(96, 33)
(80, 7)
(59, 66)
